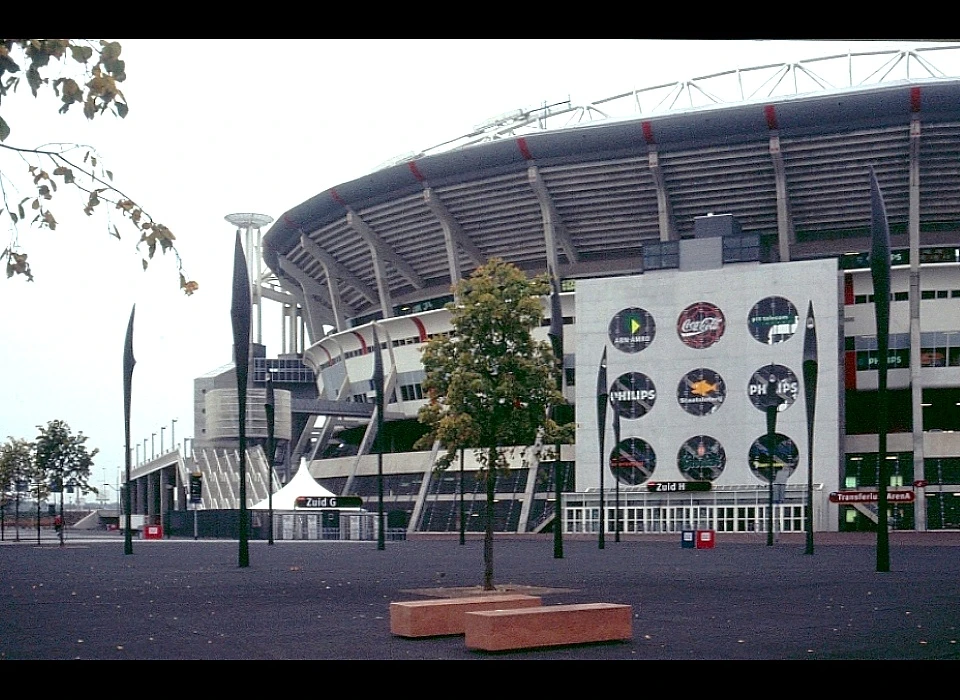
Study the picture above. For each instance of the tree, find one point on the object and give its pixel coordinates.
(16, 472)
(87, 73)
(490, 383)
(63, 459)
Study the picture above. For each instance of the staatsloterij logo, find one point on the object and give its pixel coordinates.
(701, 458)
(700, 325)
(701, 391)
(632, 461)
(632, 330)
(773, 320)
(633, 395)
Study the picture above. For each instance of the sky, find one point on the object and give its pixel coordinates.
(223, 126)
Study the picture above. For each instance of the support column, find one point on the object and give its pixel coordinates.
(668, 231)
(785, 233)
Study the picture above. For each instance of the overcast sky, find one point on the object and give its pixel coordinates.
(223, 126)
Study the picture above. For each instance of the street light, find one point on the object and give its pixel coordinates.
(162, 428)
(152, 453)
(268, 407)
(603, 395)
(173, 436)
(616, 478)
(771, 402)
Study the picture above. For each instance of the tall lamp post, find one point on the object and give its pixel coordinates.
(880, 271)
(810, 396)
(240, 320)
(771, 404)
(463, 520)
(378, 441)
(603, 395)
(616, 479)
(556, 342)
(268, 407)
(162, 428)
(128, 364)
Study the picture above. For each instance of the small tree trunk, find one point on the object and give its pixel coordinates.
(488, 534)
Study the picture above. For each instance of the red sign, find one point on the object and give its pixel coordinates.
(871, 497)
(700, 325)
(920, 483)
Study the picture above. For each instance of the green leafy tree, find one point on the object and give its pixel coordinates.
(16, 469)
(490, 383)
(86, 73)
(63, 458)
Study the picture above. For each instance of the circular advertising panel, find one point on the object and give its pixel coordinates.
(701, 458)
(633, 395)
(770, 381)
(701, 391)
(773, 320)
(632, 330)
(700, 325)
(632, 461)
(785, 457)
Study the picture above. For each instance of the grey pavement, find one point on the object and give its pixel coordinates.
(186, 599)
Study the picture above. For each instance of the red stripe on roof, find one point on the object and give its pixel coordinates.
(915, 99)
(420, 329)
(770, 113)
(647, 132)
(336, 197)
(363, 343)
(416, 171)
(524, 151)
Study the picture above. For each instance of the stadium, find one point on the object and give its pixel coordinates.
(693, 227)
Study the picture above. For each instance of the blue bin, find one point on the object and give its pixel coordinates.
(688, 539)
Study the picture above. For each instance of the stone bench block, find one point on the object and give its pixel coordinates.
(435, 617)
(550, 625)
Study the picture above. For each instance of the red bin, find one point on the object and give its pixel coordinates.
(706, 539)
(153, 532)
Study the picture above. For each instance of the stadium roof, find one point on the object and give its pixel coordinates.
(611, 186)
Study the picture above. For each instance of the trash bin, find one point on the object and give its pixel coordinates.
(705, 539)
(687, 539)
(153, 532)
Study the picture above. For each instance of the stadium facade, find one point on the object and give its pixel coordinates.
(690, 244)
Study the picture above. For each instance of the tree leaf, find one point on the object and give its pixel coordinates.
(81, 54)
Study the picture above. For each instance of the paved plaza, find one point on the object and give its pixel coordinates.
(186, 599)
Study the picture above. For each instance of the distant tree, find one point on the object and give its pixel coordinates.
(17, 470)
(63, 459)
(489, 382)
(87, 73)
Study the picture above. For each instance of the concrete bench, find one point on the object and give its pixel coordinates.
(550, 625)
(435, 617)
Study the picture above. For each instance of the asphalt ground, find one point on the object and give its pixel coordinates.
(185, 599)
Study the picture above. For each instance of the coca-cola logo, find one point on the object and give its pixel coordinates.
(700, 325)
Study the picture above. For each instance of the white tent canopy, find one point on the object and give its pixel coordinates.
(302, 484)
